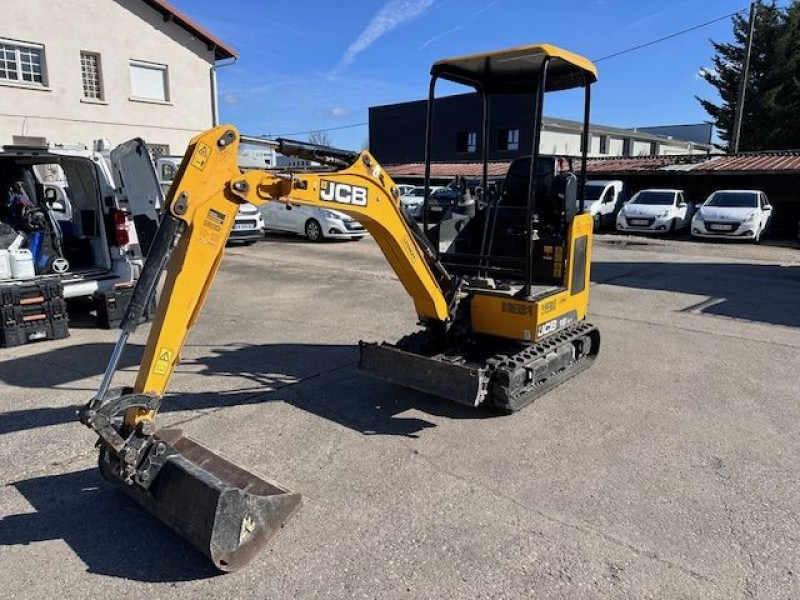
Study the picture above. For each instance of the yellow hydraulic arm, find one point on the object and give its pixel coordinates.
(202, 204)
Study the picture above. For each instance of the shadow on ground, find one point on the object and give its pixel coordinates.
(322, 380)
(106, 530)
(752, 292)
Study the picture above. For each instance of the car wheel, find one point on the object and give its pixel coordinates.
(357, 239)
(249, 242)
(314, 231)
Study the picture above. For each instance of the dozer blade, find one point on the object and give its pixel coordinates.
(226, 512)
(453, 381)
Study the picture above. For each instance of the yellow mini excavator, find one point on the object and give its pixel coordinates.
(500, 285)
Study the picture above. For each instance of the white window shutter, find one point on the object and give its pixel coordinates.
(149, 81)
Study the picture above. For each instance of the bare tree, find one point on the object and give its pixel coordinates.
(321, 138)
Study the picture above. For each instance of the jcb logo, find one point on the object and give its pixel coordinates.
(333, 191)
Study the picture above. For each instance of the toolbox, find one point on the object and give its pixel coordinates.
(111, 305)
(32, 331)
(32, 311)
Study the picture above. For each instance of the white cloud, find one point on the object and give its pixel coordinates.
(230, 99)
(337, 112)
(439, 36)
(391, 15)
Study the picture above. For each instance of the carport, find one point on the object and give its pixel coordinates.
(775, 173)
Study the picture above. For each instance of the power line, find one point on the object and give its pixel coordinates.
(670, 36)
(602, 58)
(320, 129)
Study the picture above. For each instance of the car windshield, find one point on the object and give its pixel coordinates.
(417, 192)
(733, 200)
(654, 198)
(593, 191)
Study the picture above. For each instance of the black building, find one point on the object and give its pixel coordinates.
(397, 133)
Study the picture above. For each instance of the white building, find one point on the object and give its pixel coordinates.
(78, 70)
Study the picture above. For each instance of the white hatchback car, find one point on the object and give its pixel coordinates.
(248, 225)
(742, 214)
(656, 211)
(317, 224)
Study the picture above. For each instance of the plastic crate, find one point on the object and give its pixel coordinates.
(111, 305)
(33, 331)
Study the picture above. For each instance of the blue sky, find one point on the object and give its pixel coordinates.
(316, 64)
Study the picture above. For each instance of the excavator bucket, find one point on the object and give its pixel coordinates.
(226, 512)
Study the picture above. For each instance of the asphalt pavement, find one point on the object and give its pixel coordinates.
(667, 470)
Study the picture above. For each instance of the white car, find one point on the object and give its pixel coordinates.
(603, 199)
(405, 188)
(317, 224)
(412, 198)
(742, 214)
(656, 211)
(248, 225)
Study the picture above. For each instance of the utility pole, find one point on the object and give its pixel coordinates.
(738, 115)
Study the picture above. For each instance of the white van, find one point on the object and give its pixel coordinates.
(603, 199)
(102, 209)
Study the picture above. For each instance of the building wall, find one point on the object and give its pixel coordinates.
(397, 132)
(119, 30)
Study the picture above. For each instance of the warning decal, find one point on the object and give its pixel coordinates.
(211, 231)
(200, 156)
(163, 361)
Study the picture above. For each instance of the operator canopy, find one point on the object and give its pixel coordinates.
(517, 70)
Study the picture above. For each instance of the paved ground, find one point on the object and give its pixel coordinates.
(668, 470)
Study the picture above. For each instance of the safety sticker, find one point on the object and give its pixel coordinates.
(163, 361)
(211, 231)
(200, 156)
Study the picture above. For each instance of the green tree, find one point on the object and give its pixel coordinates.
(787, 92)
(762, 107)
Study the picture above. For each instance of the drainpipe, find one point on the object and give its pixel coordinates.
(214, 98)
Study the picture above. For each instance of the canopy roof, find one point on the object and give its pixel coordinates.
(517, 70)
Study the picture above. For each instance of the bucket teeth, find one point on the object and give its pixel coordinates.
(226, 512)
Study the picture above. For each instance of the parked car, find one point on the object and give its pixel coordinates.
(248, 225)
(167, 167)
(412, 198)
(741, 214)
(406, 188)
(103, 204)
(603, 200)
(317, 224)
(656, 211)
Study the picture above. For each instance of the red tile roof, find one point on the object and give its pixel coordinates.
(221, 49)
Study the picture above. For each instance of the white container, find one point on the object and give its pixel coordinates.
(5, 265)
(22, 264)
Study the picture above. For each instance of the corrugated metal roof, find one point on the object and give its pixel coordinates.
(764, 162)
(761, 162)
(475, 169)
(644, 163)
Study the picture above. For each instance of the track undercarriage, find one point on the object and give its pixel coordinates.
(475, 370)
